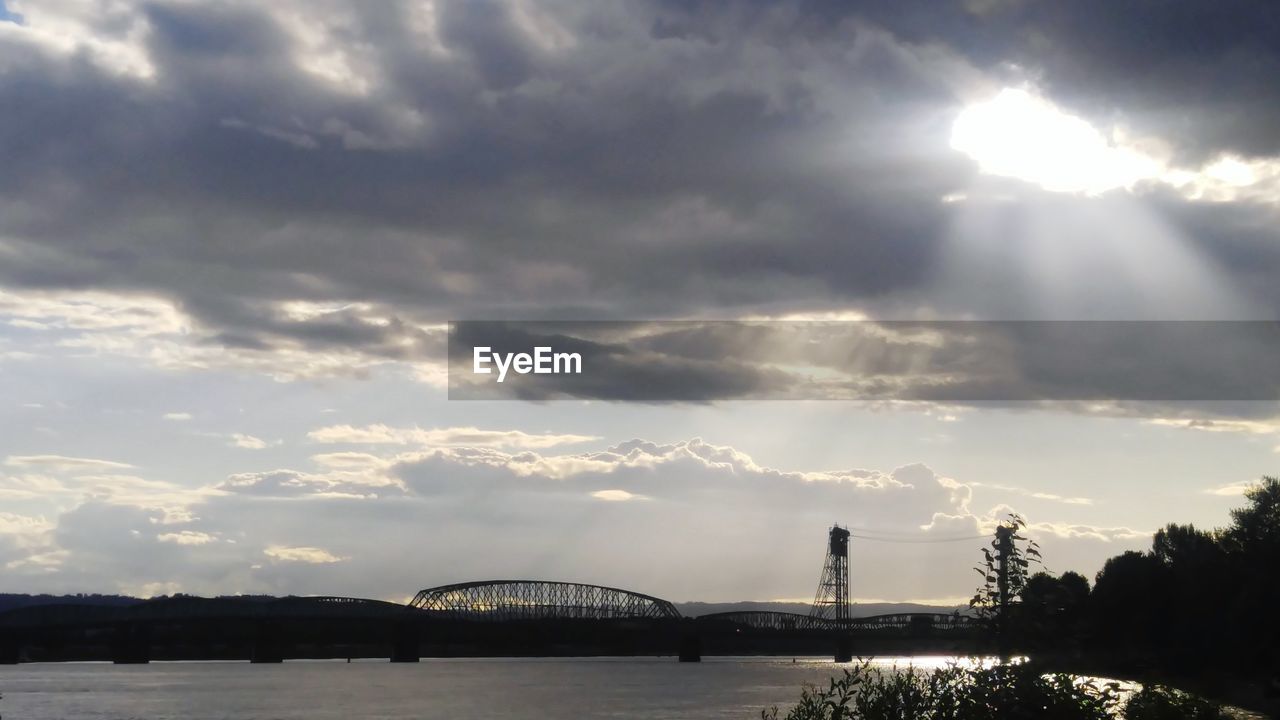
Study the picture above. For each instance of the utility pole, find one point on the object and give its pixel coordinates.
(1004, 551)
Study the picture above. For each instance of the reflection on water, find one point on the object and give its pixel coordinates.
(619, 688)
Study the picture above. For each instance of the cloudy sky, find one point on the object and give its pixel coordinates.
(232, 234)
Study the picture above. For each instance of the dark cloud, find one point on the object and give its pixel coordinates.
(938, 361)
(584, 160)
(626, 169)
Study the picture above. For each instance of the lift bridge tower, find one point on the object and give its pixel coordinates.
(831, 603)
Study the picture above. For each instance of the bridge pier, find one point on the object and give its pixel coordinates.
(690, 646)
(844, 649)
(267, 646)
(404, 643)
(132, 644)
(10, 648)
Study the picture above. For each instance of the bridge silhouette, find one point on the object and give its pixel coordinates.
(509, 600)
(489, 617)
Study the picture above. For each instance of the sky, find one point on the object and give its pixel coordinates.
(233, 234)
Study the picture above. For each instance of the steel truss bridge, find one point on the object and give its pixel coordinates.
(508, 600)
(794, 622)
(515, 600)
(525, 600)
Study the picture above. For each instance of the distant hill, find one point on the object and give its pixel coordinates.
(694, 609)
(13, 601)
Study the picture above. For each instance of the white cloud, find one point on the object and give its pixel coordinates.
(387, 435)
(1265, 427)
(26, 543)
(1076, 531)
(171, 500)
(361, 483)
(75, 30)
(178, 416)
(249, 442)
(309, 555)
(1249, 427)
(350, 461)
(30, 486)
(39, 563)
(729, 526)
(186, 537)
(137, 315)
(66, 483)
(158, 331)
(11, 524)
(63, 463)
(1232, 490)
(690, 472)
(1037, 494)
(616, 495)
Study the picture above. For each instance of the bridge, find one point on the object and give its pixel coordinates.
(487, 617)
(508, 600)
(768, 620)
(790, 622)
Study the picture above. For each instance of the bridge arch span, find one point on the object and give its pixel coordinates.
(768, 620)
(506, 600)
(900, 621)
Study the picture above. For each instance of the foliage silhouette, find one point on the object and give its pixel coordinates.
(1199, 604)
(1012, 691)
(1005, 571)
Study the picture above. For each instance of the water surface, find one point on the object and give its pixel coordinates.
(560, 688)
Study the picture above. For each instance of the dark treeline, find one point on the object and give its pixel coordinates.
(13, 601)
(1198, 603)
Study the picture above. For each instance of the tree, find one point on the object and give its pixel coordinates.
(1200, 579)
(1252, 544)
(1131, 603)
(1076, 588)
(1256, 527)
(1053, 612)
(1177, 545)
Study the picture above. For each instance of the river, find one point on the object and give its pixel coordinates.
(456, 689)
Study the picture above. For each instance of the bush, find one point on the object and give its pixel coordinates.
(1157, 702)
(1012, 691)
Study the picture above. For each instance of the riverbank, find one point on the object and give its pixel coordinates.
(1259, 695)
